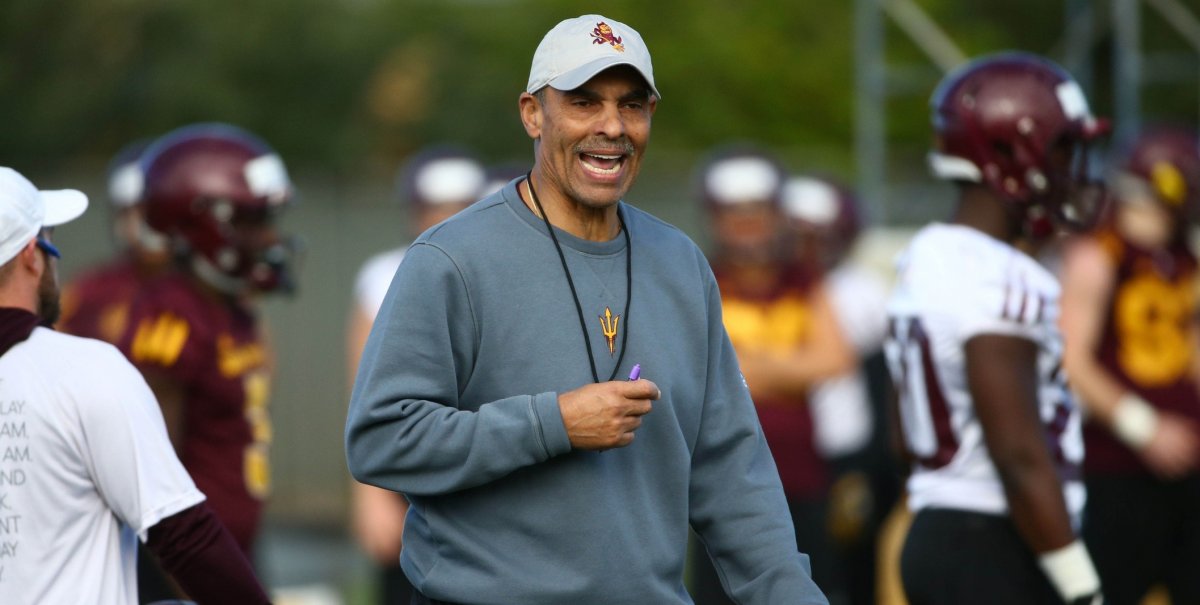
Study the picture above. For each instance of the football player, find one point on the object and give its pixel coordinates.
(849, 410)
(1129, 321)
(215, 192)
(975, 352)
(435, 184)
(96, 303)
(780, 319)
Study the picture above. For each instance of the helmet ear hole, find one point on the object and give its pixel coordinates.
(222, 210)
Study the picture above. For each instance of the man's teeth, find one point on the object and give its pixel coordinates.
(616, 159)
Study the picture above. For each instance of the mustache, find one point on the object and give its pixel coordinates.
(594, 145)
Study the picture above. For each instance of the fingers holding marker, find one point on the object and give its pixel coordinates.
(606, 415)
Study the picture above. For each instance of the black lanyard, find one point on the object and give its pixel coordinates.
(587, 343)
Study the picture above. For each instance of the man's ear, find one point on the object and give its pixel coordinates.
(30, 255)
(531, 115)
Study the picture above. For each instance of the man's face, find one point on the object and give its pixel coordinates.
(747, 232)
(591, 139)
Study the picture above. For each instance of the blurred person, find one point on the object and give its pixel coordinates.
(782, 324)
(435, 184)
(96, 301)
(87, 469)
(524, 486)
(975, 351)
(215, 191)
(499, 175)
(1130, 325)
(849, 410)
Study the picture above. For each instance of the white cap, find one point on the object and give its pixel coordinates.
(742, 179)
(578, 49)
(24, 211)
(810, 200)
(450, 180)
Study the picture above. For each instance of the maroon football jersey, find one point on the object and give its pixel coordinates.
(212, 348)
(1145, 343)
(96, 303)
(777, 322)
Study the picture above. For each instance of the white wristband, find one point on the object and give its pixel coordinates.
(1134, 421)
(1071, 571)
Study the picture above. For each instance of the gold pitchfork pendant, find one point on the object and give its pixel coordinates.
(609, 324)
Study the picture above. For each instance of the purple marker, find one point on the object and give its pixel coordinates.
(635, 372)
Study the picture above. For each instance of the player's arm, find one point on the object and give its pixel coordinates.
(1088, 279)
(1165, 441)
(358, 327)
(826, 354)
(203, 558)
(1003, 381)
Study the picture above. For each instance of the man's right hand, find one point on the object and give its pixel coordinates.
(605, 415)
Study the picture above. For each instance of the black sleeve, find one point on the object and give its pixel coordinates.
(195, 549)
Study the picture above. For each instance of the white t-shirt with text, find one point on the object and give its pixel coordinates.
(86, 469)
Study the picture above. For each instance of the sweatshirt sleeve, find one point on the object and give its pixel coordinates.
(737, 502)
(405, 431)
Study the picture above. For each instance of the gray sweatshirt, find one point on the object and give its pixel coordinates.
(455, 406)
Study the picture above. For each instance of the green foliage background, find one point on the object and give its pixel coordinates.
(347, 89)
(347, 86)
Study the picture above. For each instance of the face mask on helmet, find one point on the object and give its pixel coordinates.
(250, 256)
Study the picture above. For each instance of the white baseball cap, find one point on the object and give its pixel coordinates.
(810, 200)
(741, 180)
(449, 180)
(24, 211)
(577, 49)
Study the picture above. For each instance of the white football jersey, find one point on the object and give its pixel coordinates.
(955, 282)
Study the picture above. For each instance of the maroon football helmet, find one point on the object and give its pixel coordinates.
(215, 190)
(825, 217)
(1020, 125)
(1165, 163)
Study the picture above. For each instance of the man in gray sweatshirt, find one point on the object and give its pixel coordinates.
(499, 387)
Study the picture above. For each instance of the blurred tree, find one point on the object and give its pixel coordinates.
(347, 86)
